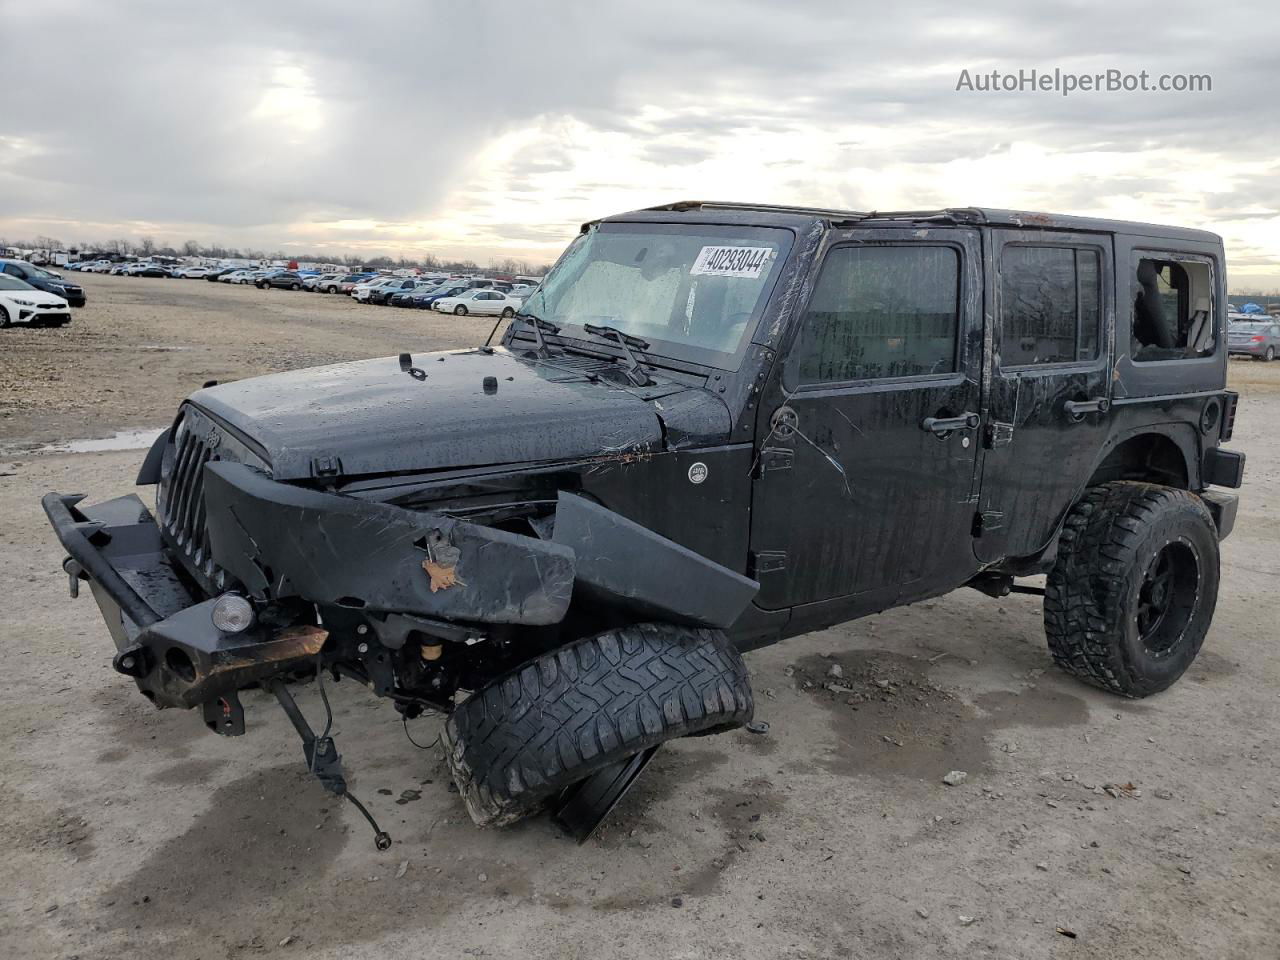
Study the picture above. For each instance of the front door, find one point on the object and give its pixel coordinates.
(1050, 389)
(868, 429)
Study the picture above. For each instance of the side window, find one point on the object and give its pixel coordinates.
(1172, 310)
(1050, 305)
(881, 311)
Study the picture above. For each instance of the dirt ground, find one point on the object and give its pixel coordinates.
(1089, 826)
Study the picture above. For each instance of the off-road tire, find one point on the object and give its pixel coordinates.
(1094, 600)
(562, 716)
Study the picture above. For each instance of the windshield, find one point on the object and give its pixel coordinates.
(13, 283)
(693, 292)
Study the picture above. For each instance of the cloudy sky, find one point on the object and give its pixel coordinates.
(491, 128)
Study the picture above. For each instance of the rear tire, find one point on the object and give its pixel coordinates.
(1269, 355)
(566, 714)
(295, 286)
(1131, 597)
(507, 313)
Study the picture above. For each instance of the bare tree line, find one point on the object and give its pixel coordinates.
(147, 247)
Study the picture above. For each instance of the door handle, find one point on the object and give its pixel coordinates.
(941, 425)
(1076, 409)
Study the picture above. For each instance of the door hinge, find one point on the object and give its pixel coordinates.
(774, 458)
(997, 434)
(768, 561)
(326, 466)
(985, 520)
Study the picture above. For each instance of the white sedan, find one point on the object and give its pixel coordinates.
(193, 272)
(22, 303)
(482, 301)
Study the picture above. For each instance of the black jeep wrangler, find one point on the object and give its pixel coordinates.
(713, 426)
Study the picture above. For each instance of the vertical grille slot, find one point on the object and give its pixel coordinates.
(182, 508)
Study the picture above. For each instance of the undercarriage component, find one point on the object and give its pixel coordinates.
(583, 807)
(323, 759)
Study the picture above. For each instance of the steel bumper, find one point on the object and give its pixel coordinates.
(164, 636)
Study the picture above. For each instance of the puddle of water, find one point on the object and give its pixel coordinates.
(124, 440)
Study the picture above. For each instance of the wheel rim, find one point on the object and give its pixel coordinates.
(460, 310)
(1167, 597)
(1271, 354)
(508, 313)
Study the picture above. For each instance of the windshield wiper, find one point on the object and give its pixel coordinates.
(538, 325)
(626, 341)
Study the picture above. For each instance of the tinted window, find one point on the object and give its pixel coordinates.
(1050, 305)
(881, 312)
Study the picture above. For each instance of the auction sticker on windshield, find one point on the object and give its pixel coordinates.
(744, 262)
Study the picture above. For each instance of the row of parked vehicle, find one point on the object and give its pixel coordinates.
(457, 295)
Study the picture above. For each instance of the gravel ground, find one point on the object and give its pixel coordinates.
(1088, 826)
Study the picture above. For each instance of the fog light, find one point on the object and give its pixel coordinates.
(232, 613)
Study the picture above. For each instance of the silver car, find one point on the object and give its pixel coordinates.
(1257, 337)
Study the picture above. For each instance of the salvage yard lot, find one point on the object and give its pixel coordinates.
(1088, 826)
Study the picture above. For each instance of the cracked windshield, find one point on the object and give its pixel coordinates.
(691, 295)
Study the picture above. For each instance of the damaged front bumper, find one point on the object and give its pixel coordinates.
(320, 562)
(163, 632)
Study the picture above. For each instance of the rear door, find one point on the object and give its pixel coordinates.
(1049, 397)
(868, 429)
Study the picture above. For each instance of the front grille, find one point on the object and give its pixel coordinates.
(181, 505)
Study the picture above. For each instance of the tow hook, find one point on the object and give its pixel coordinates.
(322, 755)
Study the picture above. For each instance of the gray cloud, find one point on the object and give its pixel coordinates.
(151, 119)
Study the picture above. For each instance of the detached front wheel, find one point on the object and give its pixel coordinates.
(526, 736)
(1130, 599)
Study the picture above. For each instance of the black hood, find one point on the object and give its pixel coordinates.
(371, 417)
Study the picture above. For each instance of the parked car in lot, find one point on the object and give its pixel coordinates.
(383, 294)
(217, 273)
(1255, 337)
(361, 291)
(482, 301)
(347, 284)
(20, 302)
(97, 266)
(193, 272)
(118, 269)
(313, 282)
(243, 276)
(45, 280)
(281, 279)
(147, 270)
(423, 299)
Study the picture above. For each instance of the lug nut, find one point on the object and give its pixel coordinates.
(362, 629)
(362, 648)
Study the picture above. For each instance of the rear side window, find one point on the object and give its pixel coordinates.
(1050, 305)
(881, 311)
(1172, 310)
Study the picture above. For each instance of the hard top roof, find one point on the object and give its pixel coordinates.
(762, 214)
